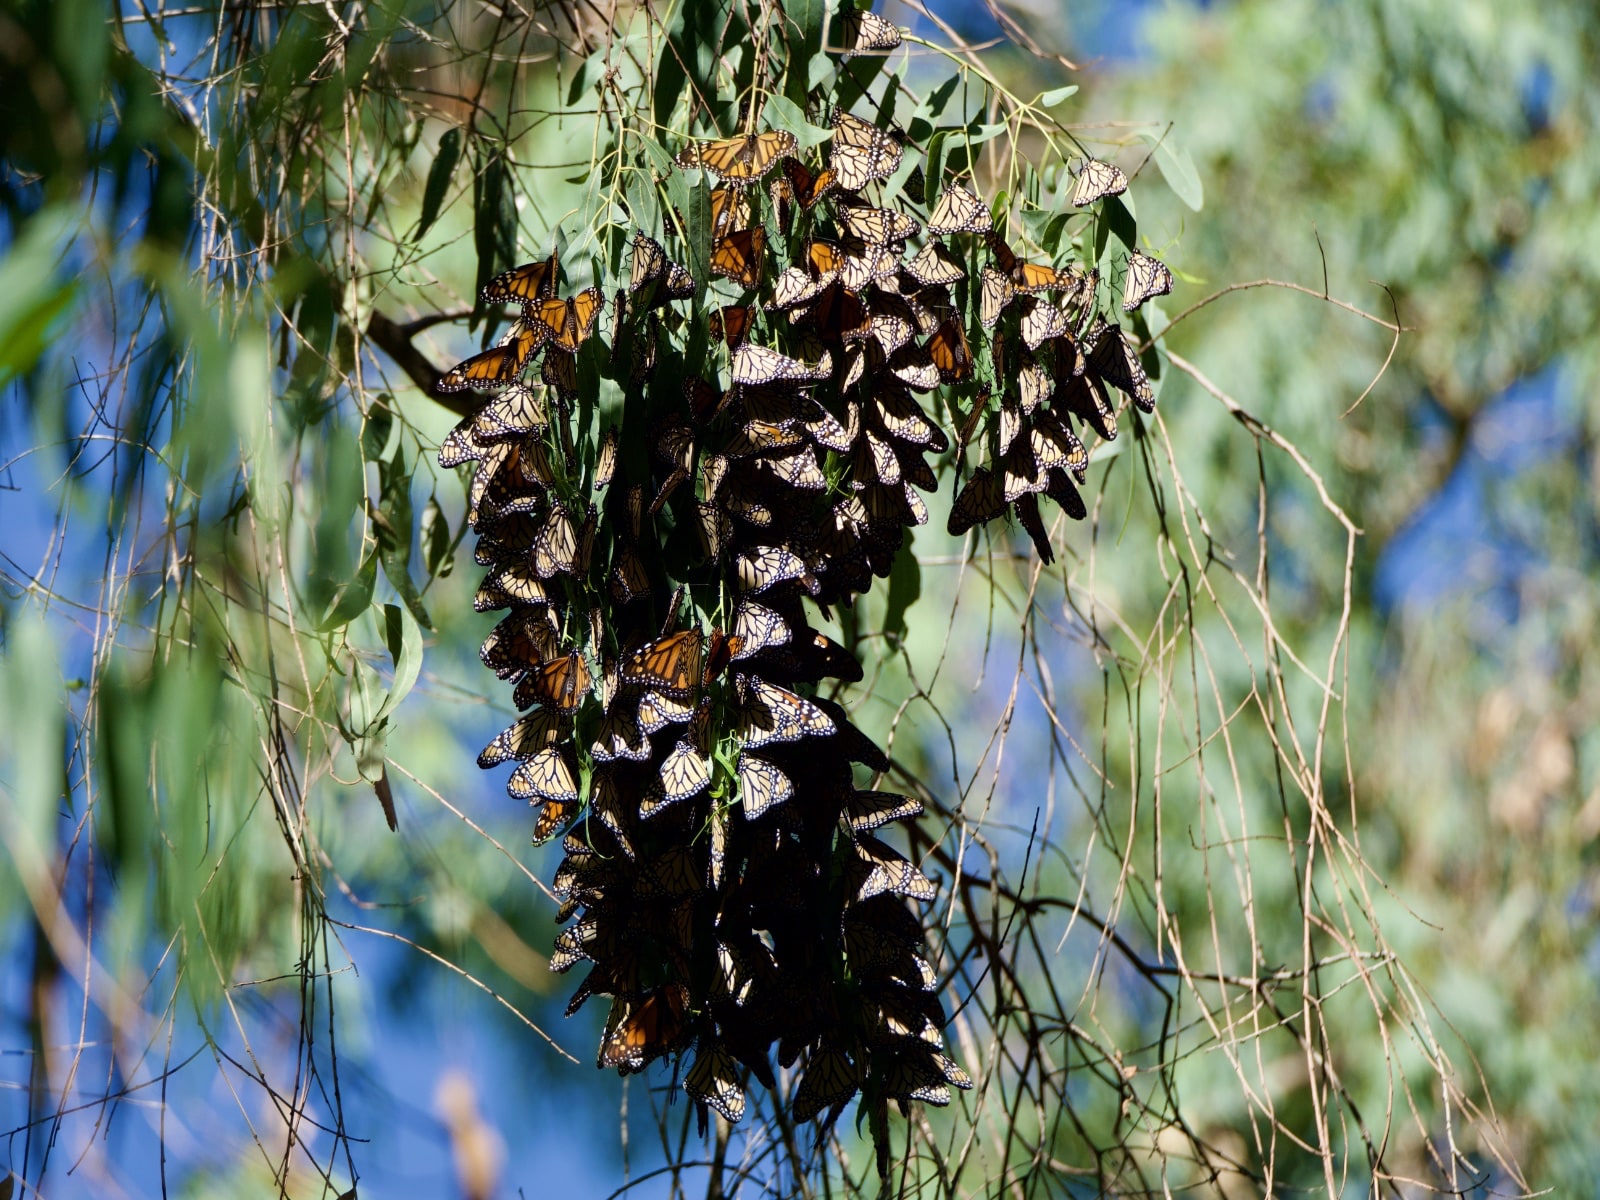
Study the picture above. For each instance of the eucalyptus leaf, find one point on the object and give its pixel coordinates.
(440, 175)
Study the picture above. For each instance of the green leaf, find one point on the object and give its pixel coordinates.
(494, 218)
(905, 585)
(439, 176)
(1055, 96)
(436, 540)
(808, 16)
(1177, 168)
(404, 636)
(375, 430)
(783, 113)
(355, 598)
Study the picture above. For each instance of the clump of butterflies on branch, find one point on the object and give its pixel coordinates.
(660, 557)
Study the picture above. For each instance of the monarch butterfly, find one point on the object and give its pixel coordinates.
(830, 1080)
(548, 775)
(531, 734)
(783, 202)
(876, 226)
(516, 412)
(1055, 447)
(1112, 358)
(561, 683)
(979, 501)
(755, 437)
(861, 152)
(649, 259)
(867, 811)
(837, 313)
(1010, 425)
(553, 817)
(886, 870)
(605, 460)
(556, 544)
(950, 353)
(566, 323)
(761, 785)
(730, 210)
(1060, 489)
(864, 31)
(671, 665)
(686, 771)
(705, 401)
(458, 446)
(520, 642)
(1041, 322)
(629, 580)
(912, 1077)
(1147, 277)
(794, 287)
(1031, 278)
(913, 366)
(772, 714)
(621, 737)
(1034, 387)
(641, 1031)
(1027, 509)
(798, 469)
(721, 650)
(889, 330)
(740, 256)
(754, 364)
(756, 628)
(902, 418)
(766, 566)
(995, 292)
(826, 259)
(864, 264)
(823, 426)
(656, 712)
(885, 467)
(605, 801)
(731, 323)
(807, 188)
(1097, 179)
(498, 366)
(1085, 398)
(560, 373)
(713, 1081)
(525, 284)
(715, 527)
(934, 265)
(671, 874)
(959, 210)
(739, 161)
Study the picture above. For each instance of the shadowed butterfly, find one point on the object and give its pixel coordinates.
(767, 566)
(1042, 321)
(1027, 510)
(830, 1080)
(1111, 357)
(878, 868)
(949, 352)
(657, 711)
(713, 1081)
(770, 714)
(730, 210)
(459, 446)
(979, 501)
(756, 628)
(641, 1031)
(621, 736)
(739, 161)
(686, 770)
(516, 412)
(731, 323)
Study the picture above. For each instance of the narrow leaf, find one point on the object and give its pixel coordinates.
(439, 176)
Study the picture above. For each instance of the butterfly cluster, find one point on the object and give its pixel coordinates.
(726, 874)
